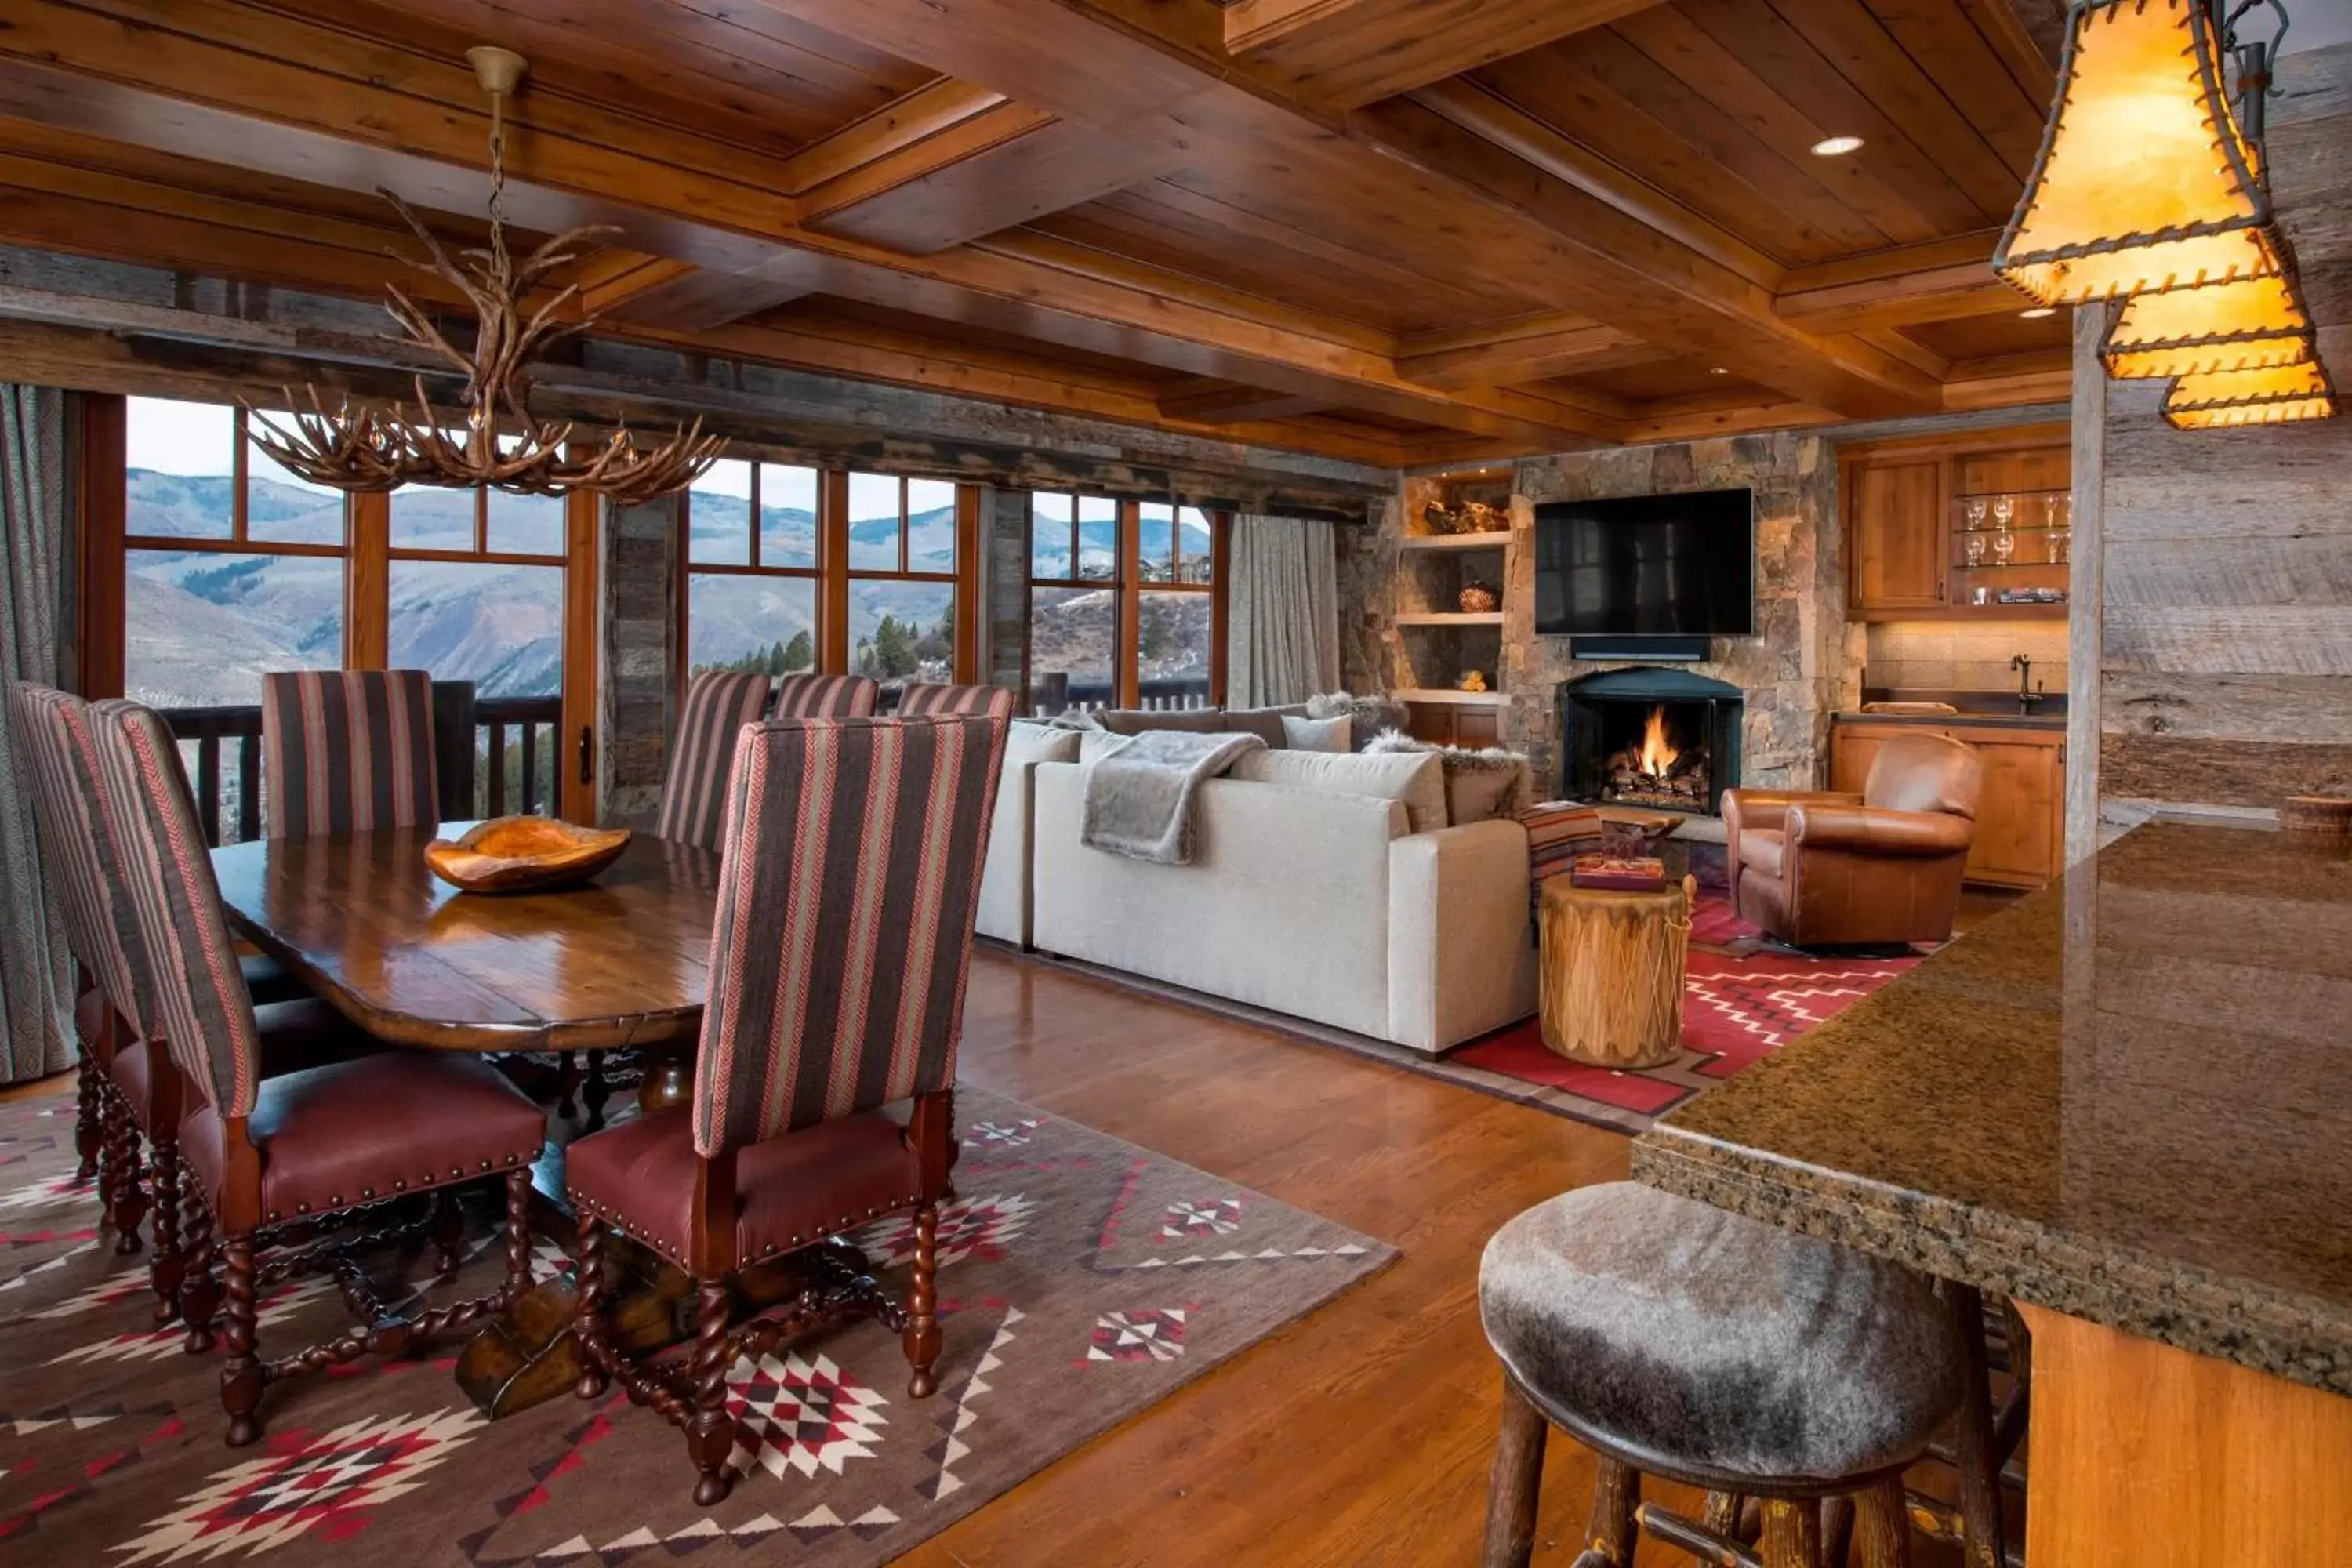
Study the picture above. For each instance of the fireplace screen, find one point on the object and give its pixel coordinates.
(1657, 738)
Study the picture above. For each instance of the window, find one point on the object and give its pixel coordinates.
(751, 577)
(792, 569)
(232, 566)
(904, 548)
(1126, 604)
(225, 566)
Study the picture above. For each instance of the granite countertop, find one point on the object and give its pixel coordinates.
(2127, 1098)
(2044, 720)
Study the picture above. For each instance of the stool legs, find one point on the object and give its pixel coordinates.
(1511, 1490)
(1882, 1527)
(1976, 1455)
(1792, 1532)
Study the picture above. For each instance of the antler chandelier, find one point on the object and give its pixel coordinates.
(372, 447)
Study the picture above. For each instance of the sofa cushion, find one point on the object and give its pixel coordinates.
(1415, 779)
(1263, 723)
(1762, 849)
(1480, 785)
(1028, 743)
(1716, 1341)
(1319, 734)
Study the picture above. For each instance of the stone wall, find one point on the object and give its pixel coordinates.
(1005, 589)
(638, 648)
(1802, 664)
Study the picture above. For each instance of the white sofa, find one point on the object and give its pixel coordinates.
(1304, 898)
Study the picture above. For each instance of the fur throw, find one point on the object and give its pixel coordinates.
(1366, 716)
(1479, 785)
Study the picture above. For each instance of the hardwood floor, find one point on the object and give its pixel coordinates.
(1359, 1435)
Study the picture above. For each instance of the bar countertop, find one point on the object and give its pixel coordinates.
(2128, 1099)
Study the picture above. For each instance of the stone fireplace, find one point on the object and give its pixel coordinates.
(1650, 737)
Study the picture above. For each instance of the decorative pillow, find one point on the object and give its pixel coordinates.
(1480, 785)
(1418, 781)
(1369, 715)
(1078, 719)
(1318, 734)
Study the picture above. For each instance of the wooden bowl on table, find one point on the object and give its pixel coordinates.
(524, 855)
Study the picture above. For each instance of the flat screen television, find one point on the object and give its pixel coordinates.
(1681, 565)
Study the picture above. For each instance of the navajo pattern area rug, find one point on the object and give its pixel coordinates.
(1745, 995)
(1081, 1279)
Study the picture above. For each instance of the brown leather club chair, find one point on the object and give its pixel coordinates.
(1821, 869)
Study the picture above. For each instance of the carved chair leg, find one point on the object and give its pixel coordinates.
(1882, 1527)
(518, 1280)
(111, 1113)
(89, 1118)
(710, 1431)
(588, 1312)
(922, 1334)
(167, 1265)
(199, 1291)
(128, 1188)
(1975, 1455)
(241, 1374)
(1513, 1485)
(1792, 1532)
(448, 1232)
(1610, 1533)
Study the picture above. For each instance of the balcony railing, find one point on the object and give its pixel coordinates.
(496, 757)
(1058, 693)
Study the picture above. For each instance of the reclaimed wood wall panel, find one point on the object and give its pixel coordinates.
(2225, 594)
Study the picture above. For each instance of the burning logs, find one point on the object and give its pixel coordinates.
(1657, 772)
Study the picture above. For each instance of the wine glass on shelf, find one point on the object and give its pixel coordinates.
(2004, 512)
(1975, 512)
(2004, 545)
(1975, 547)
(2061, 529)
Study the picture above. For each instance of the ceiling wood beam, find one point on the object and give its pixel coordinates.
(1154, 72)
(1939, 281)
(310, 114)
(952, 162)
(1530, 348)
(1208, 401)
(2008, 381)
(1348, 53)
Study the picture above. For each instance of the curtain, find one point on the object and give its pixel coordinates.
(1282, 610)
(36, 532)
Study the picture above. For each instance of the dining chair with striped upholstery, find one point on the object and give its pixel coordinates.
(299, 1149)
(827, 696)
(52, 735)
(719, 703)
(347, 751)
(933, 697)
(849, 876)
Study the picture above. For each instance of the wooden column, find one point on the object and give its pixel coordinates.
(2086, 581)
(584, 599)
(101, 500)
(367, 584)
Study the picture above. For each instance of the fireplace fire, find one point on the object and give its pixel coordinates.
(1660, 769)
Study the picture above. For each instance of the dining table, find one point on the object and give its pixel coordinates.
(618, 961)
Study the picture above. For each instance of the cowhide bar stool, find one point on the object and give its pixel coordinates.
(1678, 1341)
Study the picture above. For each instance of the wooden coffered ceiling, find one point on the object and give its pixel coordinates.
(1398, 231)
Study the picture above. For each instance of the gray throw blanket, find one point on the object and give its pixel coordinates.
(1139, 797)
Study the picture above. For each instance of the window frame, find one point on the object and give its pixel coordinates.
(832, 573)
(1128, 587)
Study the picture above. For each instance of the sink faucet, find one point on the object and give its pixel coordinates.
(2027, 699)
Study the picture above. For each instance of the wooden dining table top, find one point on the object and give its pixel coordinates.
(359, 918)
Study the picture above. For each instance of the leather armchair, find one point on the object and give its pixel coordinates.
(1819, 868)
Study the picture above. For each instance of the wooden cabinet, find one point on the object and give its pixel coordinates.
(1896, 534)
(2020, 818)
(1922, 540)
(1455, 725)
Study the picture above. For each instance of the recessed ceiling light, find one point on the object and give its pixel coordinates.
(1836, 146)
(2038, 312)
(1718, 369)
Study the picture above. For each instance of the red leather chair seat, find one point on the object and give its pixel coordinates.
(789, 1190)
(294, 1035)
(398, 1121)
